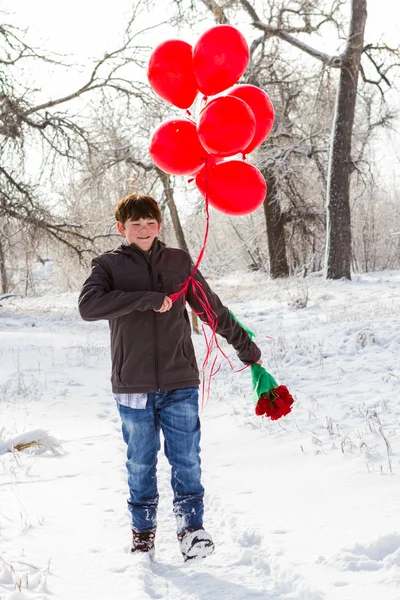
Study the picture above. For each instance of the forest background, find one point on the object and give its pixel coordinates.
(76, 113)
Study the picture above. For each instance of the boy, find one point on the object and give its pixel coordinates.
(154, 376)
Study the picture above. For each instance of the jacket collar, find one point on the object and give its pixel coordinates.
(156, 248)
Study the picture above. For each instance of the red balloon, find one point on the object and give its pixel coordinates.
(175, 147)
(262, 108)
(226, 126)
(220, 58)
(170, 73)
(233, 187)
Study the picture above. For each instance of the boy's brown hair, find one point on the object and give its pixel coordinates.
(137, 206)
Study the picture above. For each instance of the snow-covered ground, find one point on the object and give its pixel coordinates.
(304, 508)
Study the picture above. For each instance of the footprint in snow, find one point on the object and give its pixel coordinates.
(103, 415)
(279, 531)
(119, 569)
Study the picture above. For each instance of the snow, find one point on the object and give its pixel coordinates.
(304, 508)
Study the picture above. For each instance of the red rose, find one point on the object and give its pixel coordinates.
(275, 404)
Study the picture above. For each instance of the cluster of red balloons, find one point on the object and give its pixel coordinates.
(235, 123)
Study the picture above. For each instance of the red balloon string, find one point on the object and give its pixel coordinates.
(207, 311)
(185, 285)
(200, 295)
(189, 117)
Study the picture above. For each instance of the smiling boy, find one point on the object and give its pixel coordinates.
(154, 374)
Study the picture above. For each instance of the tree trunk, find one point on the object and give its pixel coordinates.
(275, 228)
(176, 223)
(3, 272)
(338, 242)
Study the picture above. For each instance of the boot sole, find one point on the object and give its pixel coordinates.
(201, 550)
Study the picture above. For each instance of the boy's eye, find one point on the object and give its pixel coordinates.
(149, 224)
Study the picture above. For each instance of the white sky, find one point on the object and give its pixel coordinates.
(85, 28)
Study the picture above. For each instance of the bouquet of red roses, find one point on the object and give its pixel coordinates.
(272, 400)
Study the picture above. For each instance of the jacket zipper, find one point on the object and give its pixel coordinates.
(155, 332)
(155, 324)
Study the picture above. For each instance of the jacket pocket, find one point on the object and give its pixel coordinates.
(188, 353)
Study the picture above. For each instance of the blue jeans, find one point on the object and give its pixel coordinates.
(176, 412)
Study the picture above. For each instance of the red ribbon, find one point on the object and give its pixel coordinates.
(207, 310)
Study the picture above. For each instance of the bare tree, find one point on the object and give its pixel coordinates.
(118, 149)
(294, 139)
(286, 21)
(275, 227)
(55, 132)
(338, 245)
(3, 270)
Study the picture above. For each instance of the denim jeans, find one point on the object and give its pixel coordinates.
(176, 413)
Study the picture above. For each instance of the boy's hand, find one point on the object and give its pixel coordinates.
(259, 362)
(166, 305)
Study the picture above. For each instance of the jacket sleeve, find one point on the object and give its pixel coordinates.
(98, 300)
(246, 350)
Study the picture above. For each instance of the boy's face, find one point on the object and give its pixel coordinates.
(141, 232)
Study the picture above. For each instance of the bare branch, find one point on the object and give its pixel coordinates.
(331, 61)
(371, 81)
(217, 11)
(378, 68)
(15, 49)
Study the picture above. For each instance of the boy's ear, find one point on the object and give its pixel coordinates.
(121, 228)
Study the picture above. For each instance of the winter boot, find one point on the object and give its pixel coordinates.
(195, 544)
(143, 542)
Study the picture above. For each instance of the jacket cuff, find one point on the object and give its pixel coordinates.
(252, 355)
